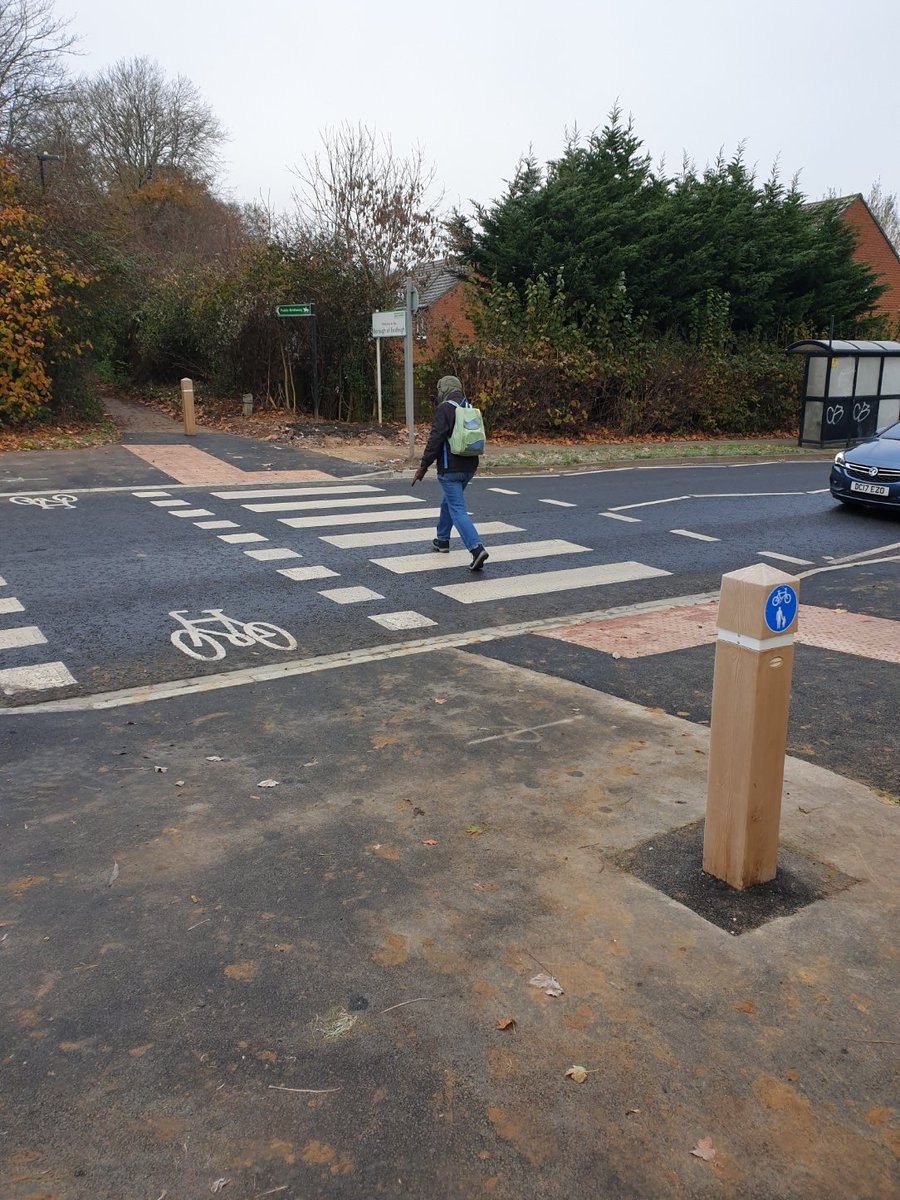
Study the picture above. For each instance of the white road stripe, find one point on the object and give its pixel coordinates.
(190, 512)
(217, 524)
(397, 537)
(271, 554)
(698, 537)
(513, 733)
(353, 502)
(351, 595)
(298, 574)
(549, 581)
(263, 493)
(10, 604)
(401, 620)
(559, 503)
(620, 517)
(648, 503)
(2, 581)
(35, 679)
(800, 562)
(236, 539)
(866, 553)
(148, 495)
(405, 564)
(23, 635)
(170, 503)
(504, 491)
(421, 514)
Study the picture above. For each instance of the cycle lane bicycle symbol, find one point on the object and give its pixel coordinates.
(203, 637)
(44, 502)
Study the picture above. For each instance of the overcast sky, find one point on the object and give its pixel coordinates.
(814, 85)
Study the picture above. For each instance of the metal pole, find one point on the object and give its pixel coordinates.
(408, 373)
(378, 366)
(313, 366)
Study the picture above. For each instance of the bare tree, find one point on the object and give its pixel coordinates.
(33, 44)
(374, 205)
(885, 209)
(139, 125)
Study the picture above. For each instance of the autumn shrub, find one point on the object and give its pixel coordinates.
(40, 343)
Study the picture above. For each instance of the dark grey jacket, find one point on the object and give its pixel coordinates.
(437, 449)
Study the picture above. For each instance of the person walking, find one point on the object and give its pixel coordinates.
(454, 472)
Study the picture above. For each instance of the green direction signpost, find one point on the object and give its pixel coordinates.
(306, 310)
(294, 310)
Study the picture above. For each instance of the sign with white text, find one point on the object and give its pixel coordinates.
(389, 324)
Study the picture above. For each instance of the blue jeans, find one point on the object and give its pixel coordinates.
(453, 509)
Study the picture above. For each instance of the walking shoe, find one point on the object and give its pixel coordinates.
(442, 547)
(479, 558)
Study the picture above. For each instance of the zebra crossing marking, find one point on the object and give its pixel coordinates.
(237, 539)
(217, 524)
(503, 491)
(401, 620)
(22, 635)
(698, 537)
(559, 503)
(148, 495)
(190, 512)
(404, 564)
(35, 679)
(343, 502)
(368, 518)
(299, 574)
(10, 604)
(351, 595)
(397, 537)
(169, 503)
(264, 493)
(486, 589)
(272, 554)
(621, 517)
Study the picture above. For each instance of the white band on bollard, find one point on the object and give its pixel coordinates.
(751, 643)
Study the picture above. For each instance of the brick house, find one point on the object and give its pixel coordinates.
(875, 250)
(443, 306)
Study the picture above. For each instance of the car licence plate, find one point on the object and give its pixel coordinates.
(869, 489)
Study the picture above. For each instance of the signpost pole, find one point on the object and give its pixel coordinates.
(378, 368)
(757, 621)
(408, 395)
(313, 365)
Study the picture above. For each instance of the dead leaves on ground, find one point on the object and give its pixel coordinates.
(577, 1074)
(547, 984)
(507, 1023)
(704, 1149)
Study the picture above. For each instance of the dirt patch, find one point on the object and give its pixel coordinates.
(672, 862)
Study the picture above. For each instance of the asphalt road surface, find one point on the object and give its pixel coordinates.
(100, 590)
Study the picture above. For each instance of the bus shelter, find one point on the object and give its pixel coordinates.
(850, 390)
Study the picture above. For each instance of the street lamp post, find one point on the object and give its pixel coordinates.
(45, 157)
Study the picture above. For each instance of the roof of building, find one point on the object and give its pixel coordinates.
(841, 349)
(842, 204)
(435, 279)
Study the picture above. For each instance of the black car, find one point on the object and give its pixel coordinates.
(870, 472)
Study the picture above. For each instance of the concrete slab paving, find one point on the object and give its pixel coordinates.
(270, 936)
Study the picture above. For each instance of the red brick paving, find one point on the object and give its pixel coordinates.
(681, 628)
(187, 464)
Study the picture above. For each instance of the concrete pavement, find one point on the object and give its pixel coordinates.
(299, 987)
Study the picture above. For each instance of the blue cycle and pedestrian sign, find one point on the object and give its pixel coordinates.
(781, 608)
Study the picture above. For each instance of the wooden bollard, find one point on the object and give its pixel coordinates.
(756, 624)
(187, 406)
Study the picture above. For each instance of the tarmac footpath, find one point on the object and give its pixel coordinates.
(281, 936)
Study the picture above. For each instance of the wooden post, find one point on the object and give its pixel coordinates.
(756, 624)
(187, 406)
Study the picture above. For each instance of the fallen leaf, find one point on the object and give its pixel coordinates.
(429, 842)
(506, 1023)
(268, 783)
(214, 758)
(313, 762)
(218, 1184)
(160, 770)
(616, 654)
(439, 700)
(704, 1149)
(114, 874)
(179, 783)
(632, 1112)
(195, 899)
(476, 830)
(682, 714)
(547, 984)
(579, 1074)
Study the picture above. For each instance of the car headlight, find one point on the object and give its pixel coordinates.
(839, 458)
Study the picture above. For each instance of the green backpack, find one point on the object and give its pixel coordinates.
(467, 438)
